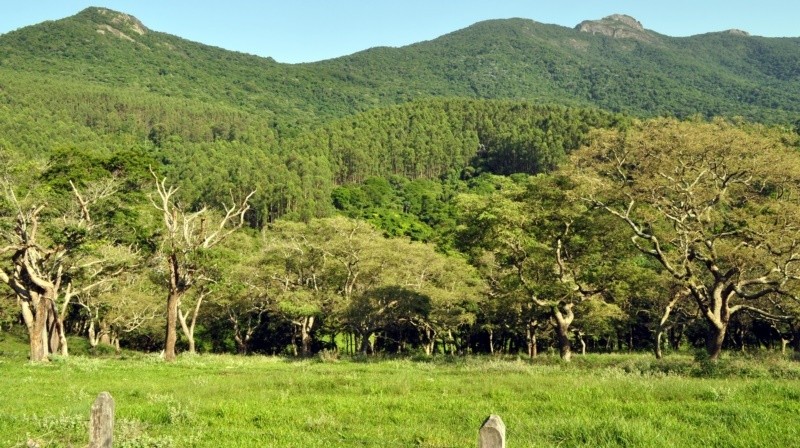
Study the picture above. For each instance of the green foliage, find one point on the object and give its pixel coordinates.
(710, 74)
(448, 143)
(436, 137)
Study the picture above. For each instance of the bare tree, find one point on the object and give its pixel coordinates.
(187, 235)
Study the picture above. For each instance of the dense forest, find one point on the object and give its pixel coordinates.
(507, 188)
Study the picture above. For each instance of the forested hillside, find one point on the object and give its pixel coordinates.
(647, 74)
(506, 187)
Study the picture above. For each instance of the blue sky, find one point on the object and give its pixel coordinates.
(311, 30)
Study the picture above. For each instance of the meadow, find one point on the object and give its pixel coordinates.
(233, 401)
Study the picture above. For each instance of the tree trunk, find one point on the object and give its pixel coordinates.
(62, 337)
(564, 344)
(192, 348)
(531, 339)
(563, 321)
(105, 334)
(657, 348)
(491, 341)
(454, 349)
(36, 321)
(61, 316)
(190, 340)
(188, 327)
(307, 323)
(714, 340)
(241, 343)
(54, 335)
(37, 330)
(37, 346)
(187, 330)
(430, 342)
(57, 340)
(100, 335)
(173, 299)
(630, 339)
(365, 343)
(92, 335)
(662, 323)
(582, 341)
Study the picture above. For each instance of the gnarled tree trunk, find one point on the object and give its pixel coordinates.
(563, 321)
(364, 337)
(714, 340)
(306, 324)
(662, 323)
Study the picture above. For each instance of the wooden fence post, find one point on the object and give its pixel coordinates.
(492, 433)
(101, 423)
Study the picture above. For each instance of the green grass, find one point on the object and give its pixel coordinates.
(230, 401)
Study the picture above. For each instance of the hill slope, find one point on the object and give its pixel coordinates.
(650, 74)
(612, 63)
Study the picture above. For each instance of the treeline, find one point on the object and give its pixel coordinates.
(647, 235)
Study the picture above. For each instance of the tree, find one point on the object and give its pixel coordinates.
(453, 291)
(540, 247)
(344, 271)
(295, 266)
(52, 256)
(188, 235)
(667, 308)
(35, 275)
(118, 307)
(717, 206)
(244, 298)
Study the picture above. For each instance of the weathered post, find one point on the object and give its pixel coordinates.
(492, 433)
(101, 424)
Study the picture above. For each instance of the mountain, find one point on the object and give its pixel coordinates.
(101, 92)
(614, 63)
(637, 71)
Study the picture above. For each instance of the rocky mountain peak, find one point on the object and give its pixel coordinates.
(737, 32)
(619, 26)
(121, 25)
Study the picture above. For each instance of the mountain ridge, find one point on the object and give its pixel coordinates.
(721, 73)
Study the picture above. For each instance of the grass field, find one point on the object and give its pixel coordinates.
(229, 401)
